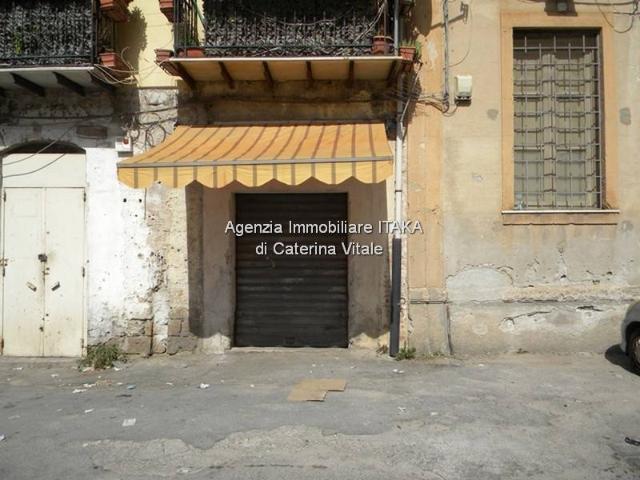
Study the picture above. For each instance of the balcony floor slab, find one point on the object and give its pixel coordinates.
(77, 78)
(283, 69)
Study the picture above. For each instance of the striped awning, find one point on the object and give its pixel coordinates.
(217, 155)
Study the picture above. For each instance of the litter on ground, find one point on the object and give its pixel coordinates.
(129, 422)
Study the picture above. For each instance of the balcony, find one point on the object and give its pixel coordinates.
(60, 44)
(281, 40)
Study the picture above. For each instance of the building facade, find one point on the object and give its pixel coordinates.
(133, 133)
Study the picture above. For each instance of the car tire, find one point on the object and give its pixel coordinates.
(633, 347)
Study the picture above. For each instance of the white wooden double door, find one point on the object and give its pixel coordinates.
(43, 285)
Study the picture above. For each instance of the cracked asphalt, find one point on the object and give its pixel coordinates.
(509, 417)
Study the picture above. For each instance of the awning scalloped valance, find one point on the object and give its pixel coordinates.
(217, 155)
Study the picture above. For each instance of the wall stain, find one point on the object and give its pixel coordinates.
(625, 116)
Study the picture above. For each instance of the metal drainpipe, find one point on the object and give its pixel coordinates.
(396, 245)
(445, 24)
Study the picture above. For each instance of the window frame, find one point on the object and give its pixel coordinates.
(608, 214)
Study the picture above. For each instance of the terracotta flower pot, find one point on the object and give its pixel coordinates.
(408, 54)
(116, 10)
(381, 45)
(162, 55)
(192, 52)
(195, 52)
(166, 7)
(115, 64)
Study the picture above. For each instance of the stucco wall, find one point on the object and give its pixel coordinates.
(474, 284)
(133, 237)
(146, 30)
(529, 287)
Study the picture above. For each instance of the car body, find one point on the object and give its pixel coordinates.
(630, 334)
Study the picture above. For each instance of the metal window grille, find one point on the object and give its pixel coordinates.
(558, 131)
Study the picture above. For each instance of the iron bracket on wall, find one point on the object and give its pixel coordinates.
(70, 84)
(111, 89)
(28, 85)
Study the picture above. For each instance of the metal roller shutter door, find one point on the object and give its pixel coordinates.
(292, 301)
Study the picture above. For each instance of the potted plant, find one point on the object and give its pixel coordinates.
(194, 52)
(191, 52)
(116, 10)
(163, 55)
(410, 51)
(114, 62)
(382, 45)
(190, 41)
(166, 7)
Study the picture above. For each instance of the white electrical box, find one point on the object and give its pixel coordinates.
(124, 145)
(464, 87)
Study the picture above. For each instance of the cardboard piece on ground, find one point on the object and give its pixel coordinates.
(315, 390)
(329, 384)
(303, 395)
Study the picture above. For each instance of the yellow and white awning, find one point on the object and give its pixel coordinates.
(217, 155)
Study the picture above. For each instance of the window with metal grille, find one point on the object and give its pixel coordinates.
(558, 135)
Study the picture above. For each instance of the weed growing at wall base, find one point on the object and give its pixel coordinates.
(102, 356)
(406, 353)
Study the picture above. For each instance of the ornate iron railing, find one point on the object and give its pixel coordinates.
(273, 28)
(52, 32)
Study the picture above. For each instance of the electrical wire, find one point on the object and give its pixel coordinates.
(36, 170)
(633, 13)
(7, 151)
(469, 38)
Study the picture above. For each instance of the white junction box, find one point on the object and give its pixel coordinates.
(464, 87)
(124, 145)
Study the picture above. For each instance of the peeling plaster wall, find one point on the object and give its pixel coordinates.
(160, 276)
(136, 241)
(105, 244)
(539, 287)
(160, 268)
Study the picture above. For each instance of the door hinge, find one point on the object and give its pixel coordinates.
(1, 344)
(4, 195)
(84, 196)
(82, 343)
(3, 264)
(83, 272)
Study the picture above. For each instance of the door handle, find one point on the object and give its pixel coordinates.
(42, 257)
(31, 286)
(55, 287)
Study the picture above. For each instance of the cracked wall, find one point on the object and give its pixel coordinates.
(136, 242)
(534, 288)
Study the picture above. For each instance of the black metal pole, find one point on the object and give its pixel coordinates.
(396, 284)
